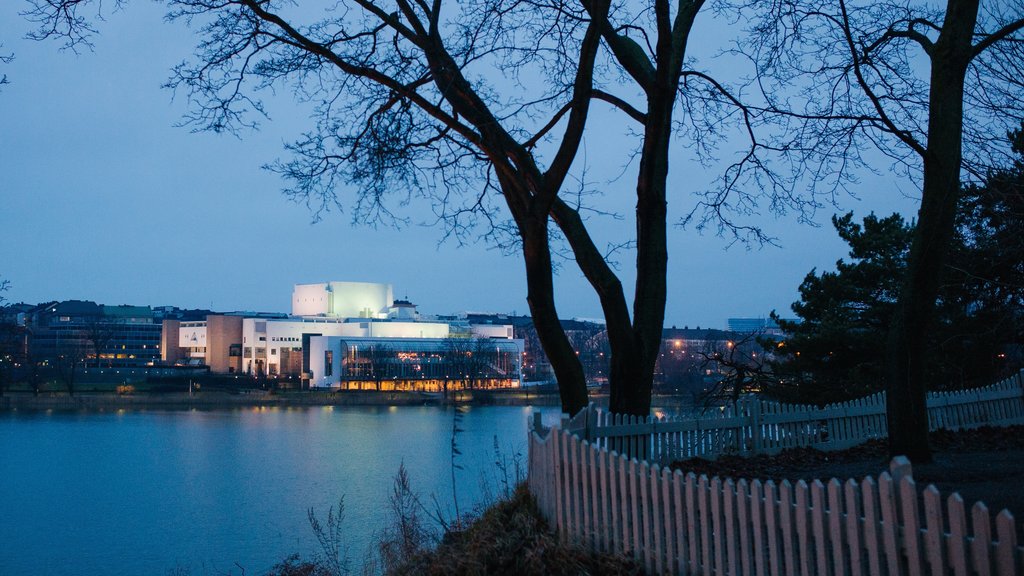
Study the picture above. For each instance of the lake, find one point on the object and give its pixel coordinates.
(213, 491)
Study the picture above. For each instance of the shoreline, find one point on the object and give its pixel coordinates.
(212, 400)
(215, 400)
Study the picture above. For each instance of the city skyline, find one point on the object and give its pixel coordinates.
(107, 200)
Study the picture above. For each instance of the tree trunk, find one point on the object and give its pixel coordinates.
(652, 247)
(572, 385)
(907, 370)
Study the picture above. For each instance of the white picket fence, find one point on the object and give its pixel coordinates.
(683, 524)
(756, 426)
(679, 523)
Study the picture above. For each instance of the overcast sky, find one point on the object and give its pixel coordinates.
(104, 199)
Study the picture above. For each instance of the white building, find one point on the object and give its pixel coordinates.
(349, 335)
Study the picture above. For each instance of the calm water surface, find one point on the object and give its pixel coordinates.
(145, 492)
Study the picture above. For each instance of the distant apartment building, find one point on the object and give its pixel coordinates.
(100, 335)
(349, 335)
(766, 326)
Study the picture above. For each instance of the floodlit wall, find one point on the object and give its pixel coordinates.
(192, 336)
(492, 330)
(407, 330)
(342, 300)
(310, 300)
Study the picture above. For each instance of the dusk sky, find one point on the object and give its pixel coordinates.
(104, 199)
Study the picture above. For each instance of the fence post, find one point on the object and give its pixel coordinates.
(590, 423)
(538, 426)
(755, 425)
(900, 468)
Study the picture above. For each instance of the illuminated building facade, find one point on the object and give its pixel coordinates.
(350, 335)
(414, 364)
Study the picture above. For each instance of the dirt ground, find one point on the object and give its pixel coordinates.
(986, 464)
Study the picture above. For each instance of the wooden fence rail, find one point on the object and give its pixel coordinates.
(756, 426)
(679, 523)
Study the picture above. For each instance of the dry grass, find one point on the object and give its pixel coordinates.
(511, 537)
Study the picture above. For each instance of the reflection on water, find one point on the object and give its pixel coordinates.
(142, 492)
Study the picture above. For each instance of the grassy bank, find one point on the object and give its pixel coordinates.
(511, 537)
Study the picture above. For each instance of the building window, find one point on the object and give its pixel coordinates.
(273, 351)
(329, 363)
(247, 352)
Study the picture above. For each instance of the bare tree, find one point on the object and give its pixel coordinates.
(925, 86)
(741, 366)
(5, 59)
(99, 332)
(9, 340)
(460, 103)
(71, 355)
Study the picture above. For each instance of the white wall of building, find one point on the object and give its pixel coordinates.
(272, 334)
(342, 300)
(318, 347)
(491, 330)
(192, 335)
(310, 300)
(407, 330)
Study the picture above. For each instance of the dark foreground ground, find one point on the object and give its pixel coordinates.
(986, 464)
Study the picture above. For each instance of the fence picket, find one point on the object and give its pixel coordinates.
(957, 535)
(644, 514)
(574, 489)
(890, 532)
(981, 544)
(933, 537)
(911, 521)
(625, 504)
(730, 503)
(743, 509)
(717, 525)
(680, 515)
(818, 520)
(654, 523)
(803, 531)
(612, 524)
(853, 532)
(636, 509)
(692, 525)
(667, 519)
(705, 525)
(1006, 549)
(560, 525)
(835, 527)
(787, 522)
(586, 496)
(772, 506)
